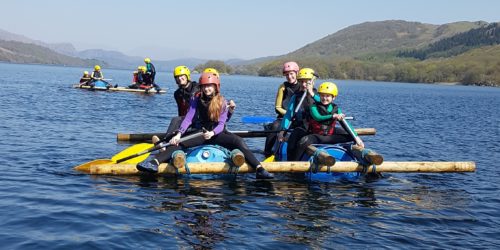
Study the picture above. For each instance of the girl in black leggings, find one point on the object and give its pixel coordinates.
(207, 110)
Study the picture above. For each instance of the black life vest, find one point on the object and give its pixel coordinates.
(201, 117)
(326, 127)
(301, 118)
(290, 90)
(183, 96)
(97, 74)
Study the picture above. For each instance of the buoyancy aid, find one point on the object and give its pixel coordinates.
(302, 117)
(135, 78)
(183, 96)
(326, 127)
(290, 89)
(97, 74)
(202, 118)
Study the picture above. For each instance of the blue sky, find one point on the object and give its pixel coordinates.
(217, 29)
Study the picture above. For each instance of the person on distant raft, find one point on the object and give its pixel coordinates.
(135, 79)
(322, 119)
(298, 120)
(85, 79)
(150, 69)
(207, 112)
(98, 76)
(285, 92)
(150, 74)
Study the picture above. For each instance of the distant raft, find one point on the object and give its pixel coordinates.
(125, 89)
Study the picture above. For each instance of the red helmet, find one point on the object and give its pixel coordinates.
(210, 78)
(290, 66)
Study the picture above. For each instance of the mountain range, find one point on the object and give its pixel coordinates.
(351, 53)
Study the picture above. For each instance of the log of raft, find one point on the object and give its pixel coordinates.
(289, 167)
(146, 137)
(323, 157)
(369, 156)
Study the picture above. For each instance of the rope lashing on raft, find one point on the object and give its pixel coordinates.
(314, 161)
(365, 169)
(233, 168)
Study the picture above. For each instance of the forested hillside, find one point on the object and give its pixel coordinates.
(464, 52)
(458, 44)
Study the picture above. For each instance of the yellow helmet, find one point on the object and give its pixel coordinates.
(85, 72)
(97, 67)
(139, 67)
(147, 60)
(143, 68)
(328, 88)
(306, 73)
(182, 70)
(211, 70)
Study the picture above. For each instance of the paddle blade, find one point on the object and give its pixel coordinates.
(257, 119)
(131, 151)
(85, 167)
(269, 159)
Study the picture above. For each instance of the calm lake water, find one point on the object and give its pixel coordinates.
(47, 128)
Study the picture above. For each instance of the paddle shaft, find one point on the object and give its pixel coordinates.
(349, 129)
(158, 147)
(145, 137)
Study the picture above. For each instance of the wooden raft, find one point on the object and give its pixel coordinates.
(292, 167)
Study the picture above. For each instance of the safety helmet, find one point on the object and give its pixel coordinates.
(97, 67)
(210, 78)
(211, 70)
(328, 88)
(306, 73)
(182, 70)
(85, 72)
(290, 66)
(139, 67)
(147, 60)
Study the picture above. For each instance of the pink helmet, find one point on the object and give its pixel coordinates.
(290, 66)
(210, 78)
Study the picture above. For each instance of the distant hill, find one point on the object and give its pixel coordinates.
(383, 36)
(112, 59)
(19, 52)
(457, 44)
(370, 50)
(62, 48)
(117, 59)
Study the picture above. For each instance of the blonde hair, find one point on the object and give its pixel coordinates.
(215, 107)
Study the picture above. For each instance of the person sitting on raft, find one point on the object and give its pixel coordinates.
(207, 110)
(322, 120)
(135, 79)
(84, 81)
(285, 92)
(98, 76)
(298, 120)
(186, 90)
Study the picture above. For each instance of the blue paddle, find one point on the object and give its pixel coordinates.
(258, 119)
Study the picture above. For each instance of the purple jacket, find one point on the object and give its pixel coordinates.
(188, 120)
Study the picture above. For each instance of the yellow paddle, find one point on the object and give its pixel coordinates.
(126, 152)
(132, 155)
